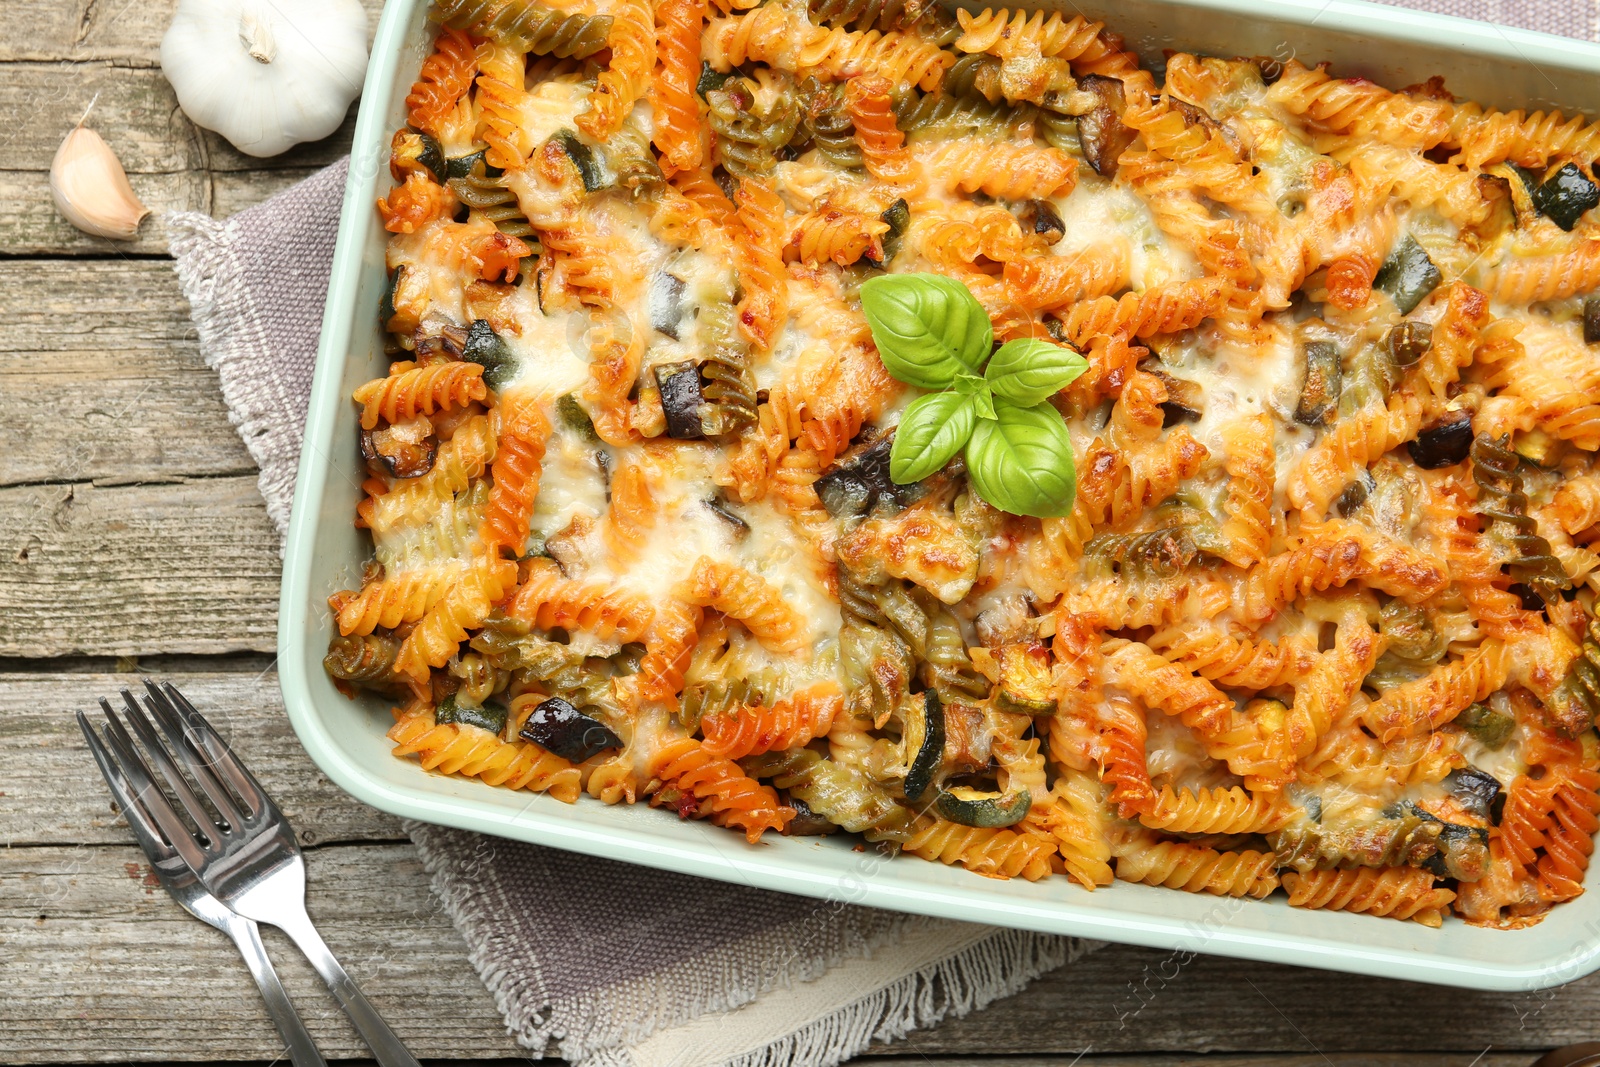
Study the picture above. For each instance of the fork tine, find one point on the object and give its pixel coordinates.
(215, 748)
(149, 795)
(149, 835)
(164, 765)
(181, 737)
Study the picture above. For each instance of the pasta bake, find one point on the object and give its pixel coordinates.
(1290, 587)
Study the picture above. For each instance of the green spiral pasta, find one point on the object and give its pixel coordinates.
(945, 115)
(843, 795)
(925, 18)
(1157, 554)
(827, 123)
(729, 386)
(750, 126)
(365, 660)
(492, 199)
(1503, 508)
(528, 26)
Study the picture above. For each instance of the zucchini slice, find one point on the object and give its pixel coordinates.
(973, 807)
(1488, 727)
(583, 157)
(1025, 684)
(1408, 275)
(490, 351)
(1319, 396)
(924, 742)
(1564, 196)
(491, 717)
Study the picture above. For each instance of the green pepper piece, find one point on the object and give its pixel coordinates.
(1489, 727)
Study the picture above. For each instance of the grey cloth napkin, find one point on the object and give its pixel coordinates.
(607, 964)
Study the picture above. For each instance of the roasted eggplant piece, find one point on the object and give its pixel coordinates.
(1319, 396)
(860, 483)
(924, 744)
(1355, 494)
(973, 807)
(1444, 444)
(386, 304)
(1476, 791)
(719, 507)
(1564, 196)
(1103, 133)
(1408, 275)
(1488, 727)
(404, 450)
(806, 823)
(558, 727)
(1025, 682)
(1041, 217)
(1409, 342)
(1591, 320)
(666, 303)
(413, 150)
(583, 158)
(490, 351)
(491, 717)
(681, 399)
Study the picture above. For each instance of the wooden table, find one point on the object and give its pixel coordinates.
(132, 540)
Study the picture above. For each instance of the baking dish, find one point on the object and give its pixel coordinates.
(1503, 67)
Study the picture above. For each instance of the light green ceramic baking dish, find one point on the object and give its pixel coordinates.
(1504, 67)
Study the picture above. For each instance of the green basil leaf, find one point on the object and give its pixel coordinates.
(1029, 371)
(931, 432)
(928, 328)
(970, 385)
(1022, 461)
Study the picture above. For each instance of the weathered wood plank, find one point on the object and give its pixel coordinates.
(53, 797)
(190, 567)
(125, 33)
(1183, 1059)
(138, 115)
(101, 377)
(100, 965)
(30, 224)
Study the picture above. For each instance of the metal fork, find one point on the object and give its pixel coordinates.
(178, 880)
(245, 853)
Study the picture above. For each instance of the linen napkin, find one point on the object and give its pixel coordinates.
(606, 964)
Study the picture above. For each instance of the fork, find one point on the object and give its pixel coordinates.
(245, 854)
(178, 880)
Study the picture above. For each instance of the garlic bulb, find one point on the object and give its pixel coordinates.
(266, 74)
(91, 189)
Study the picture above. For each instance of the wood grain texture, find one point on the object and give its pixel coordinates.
(54, 797)
(100, 965)
(131, 570)
(101, 378)
(128, 34)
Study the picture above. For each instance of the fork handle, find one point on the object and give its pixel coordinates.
(297, 1040)
(386, 1047)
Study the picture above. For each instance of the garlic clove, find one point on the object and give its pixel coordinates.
(91, 189)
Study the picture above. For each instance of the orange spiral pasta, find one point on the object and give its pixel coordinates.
(734, 799)
(789, 723)
(761, 274)
(419, 391)
(1577, 504)
(1356, 106)
(444, 626)
(1528, 279)
(445, 78)
(547, 599)
(1215, 811)
(1018, 35)
(416, 202)
(1528, 139)
(1429, 703)
(476, 753)
(835, 236)
(1059, 280)
(632, 41)
(881, 142)
(1006, 171)
(771, 35)
(394, 599)
(515, 475)
(1196, 869)
(739, 594)
(1356, 441)
(997, 853)
(1120, 751)
(632, 512)
(1395, 893)
(1251, 463)
(676, 130)
(1236, 662)
(669, 644)
(1314, 567)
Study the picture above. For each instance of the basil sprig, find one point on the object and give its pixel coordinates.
(932, 333)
